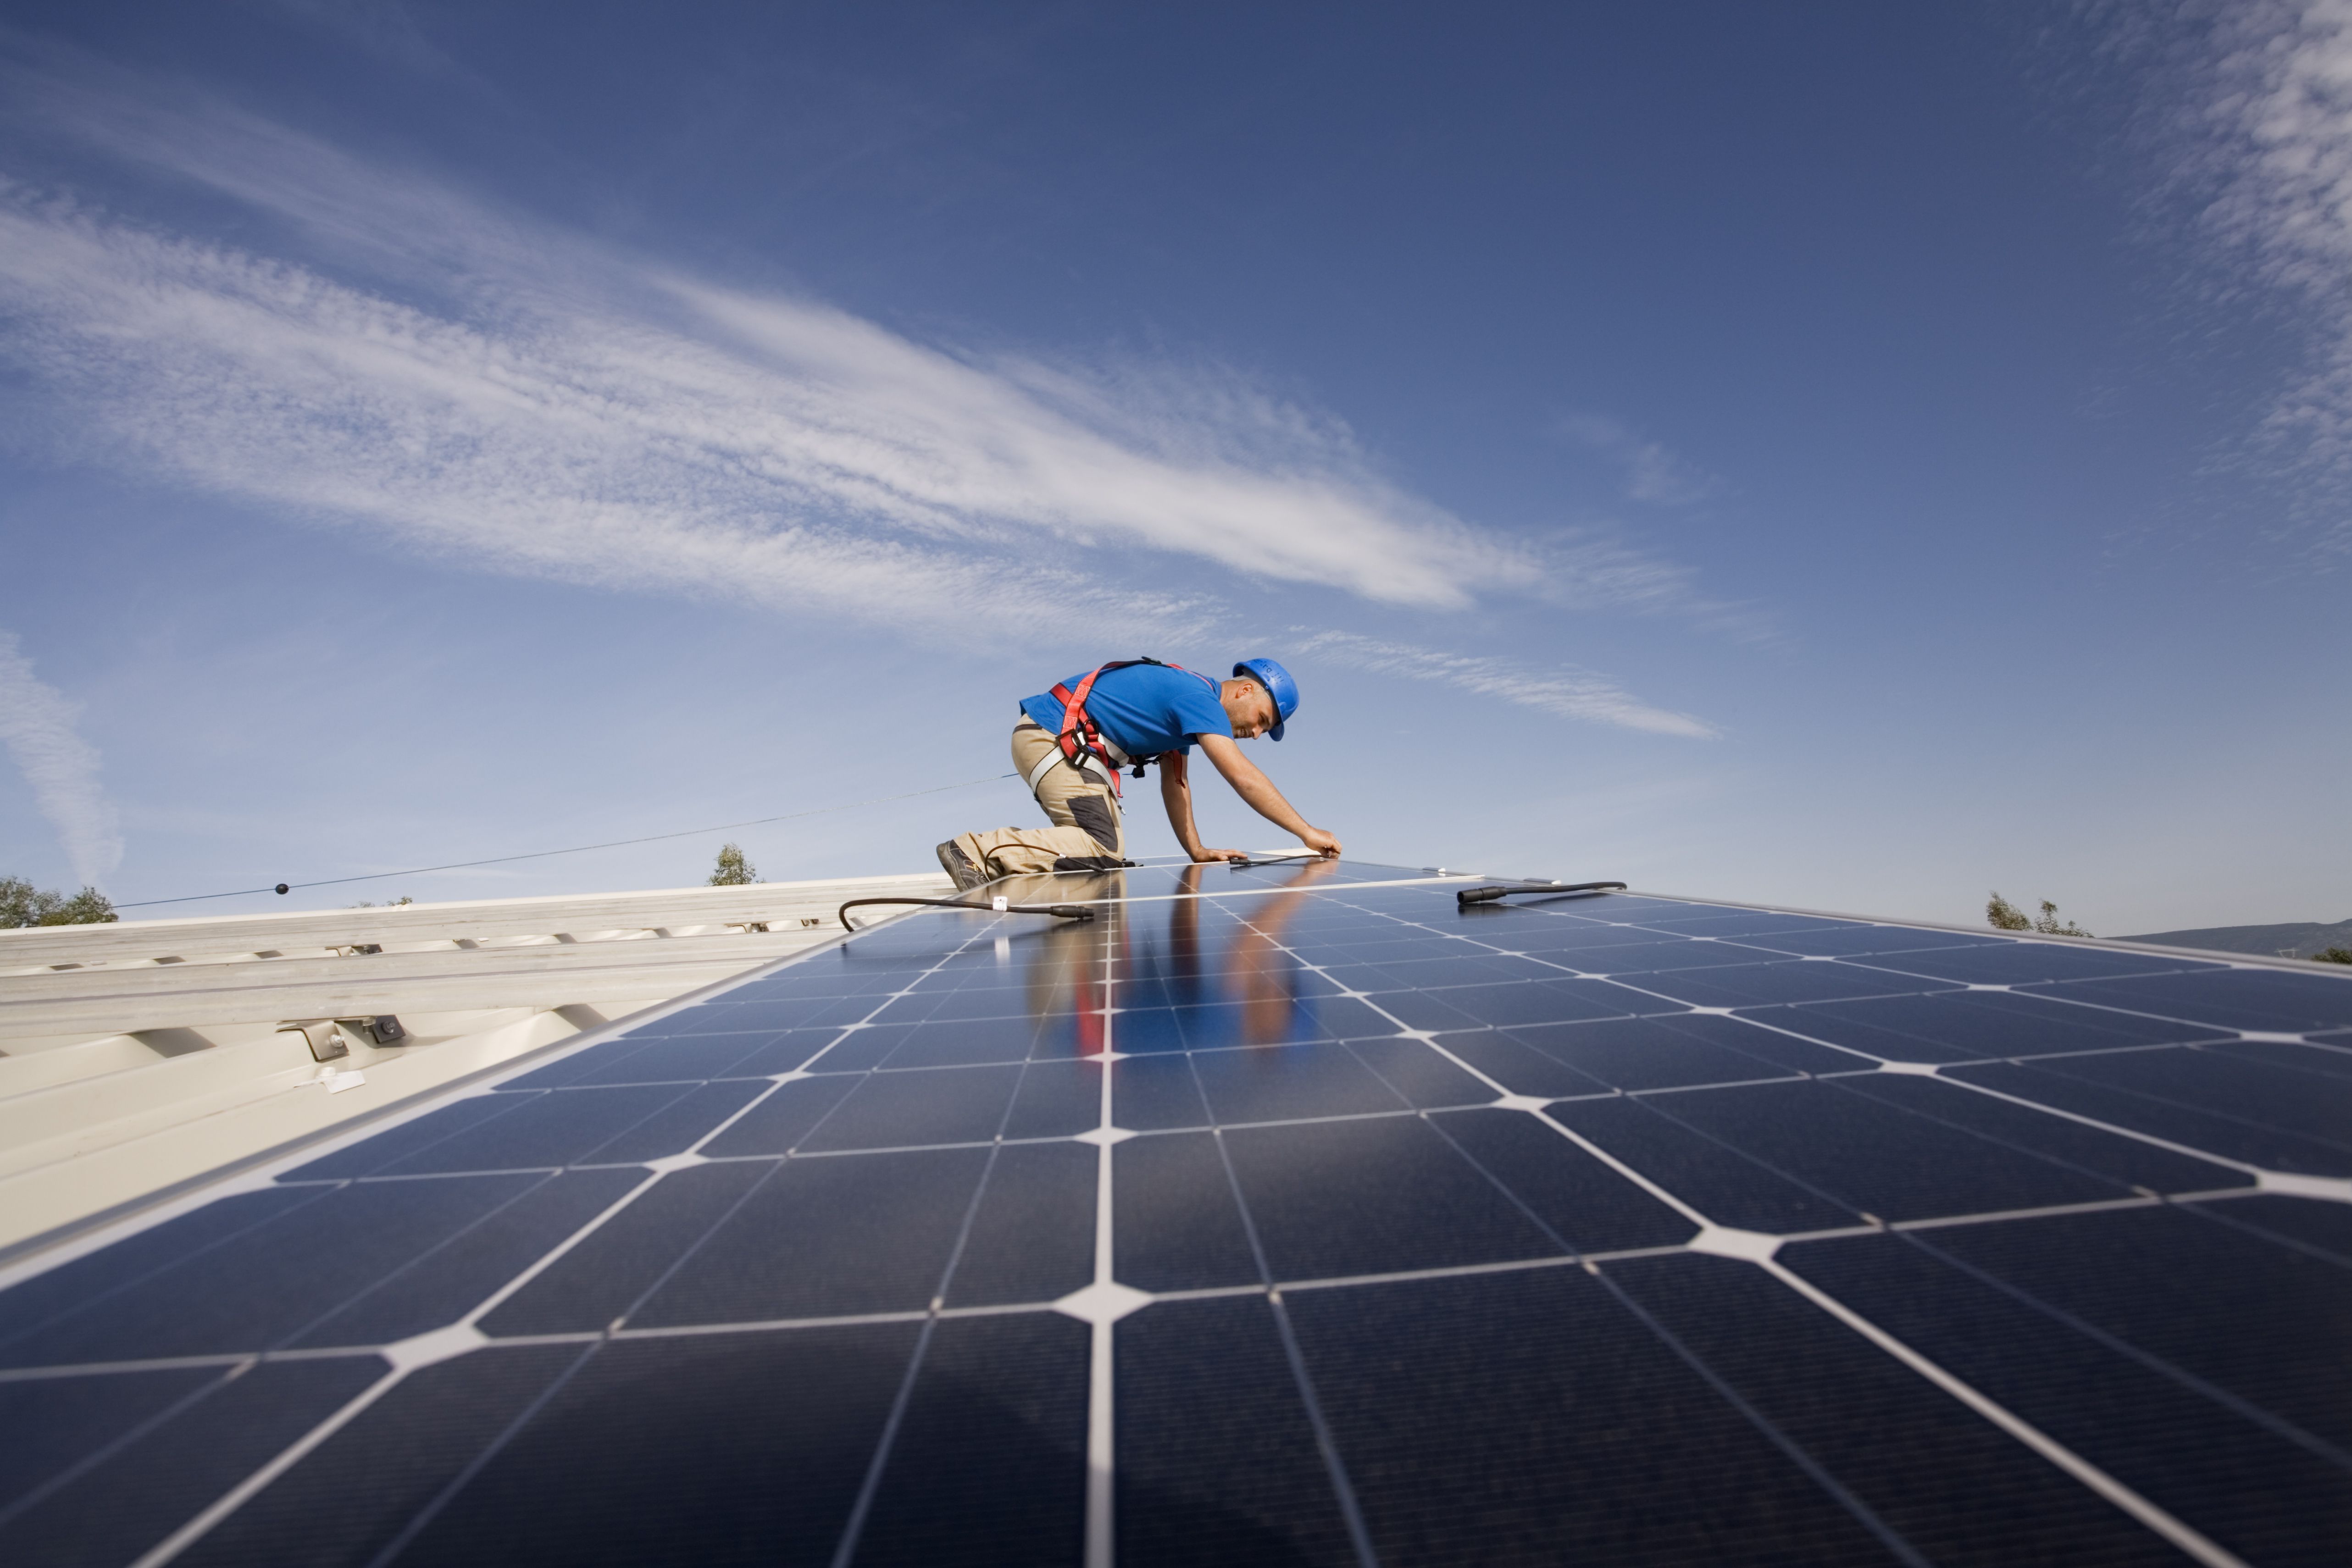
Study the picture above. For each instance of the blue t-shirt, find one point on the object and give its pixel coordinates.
(1143, 709)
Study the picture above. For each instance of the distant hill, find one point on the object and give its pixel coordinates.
(2297, 941)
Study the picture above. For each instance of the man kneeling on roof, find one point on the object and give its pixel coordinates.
(1071, 741)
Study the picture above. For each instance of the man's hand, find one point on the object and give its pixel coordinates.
(1321, 843)
(1201, 855)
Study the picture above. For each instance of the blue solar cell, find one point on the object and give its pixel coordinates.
(1718, 1180)
(2286, 1001)
(1962, 1026)
(2224, 1138)
(793, 1052)
(1875, 1157)
(2262, 1094)
(742, 1233)
(522, 1132)
(1918, 1459)
(441, 1285)
(2323, 1229)
(979, 1002)
(2023, 962)
(826, 1239)
(1704, 920)
(2293, 1370)
(1523, 1002)
(354, 1494)
(1847, 941)
(1421, 1074)
(1154, 1093)
(80, 1283)
(1379, 1195)
(2146, 1091)
(1406, 974)
(142, 1491)
(929, 1106)
(2131, 1161)
(918, 1045)
(678, 1060)
(1217, 1456)
(2334, 1061)
(778, 1124)
(584, 1479)
(678, 1125)
(1055, 1100)
(1578, 1198)
(1032, 1236)
(249, 1294)
(1539, 1396)
(1258, 1085)
(1674, 1051)
(1519, 1067)
(1176, 1224)
(777, 1014)
(1629, 959)
(53, 1427)
(989, 1464)
(609, 1270)
(2225, 1467)
(1786, 980)
(1275, 1019)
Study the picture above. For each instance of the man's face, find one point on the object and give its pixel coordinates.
(1248, 706)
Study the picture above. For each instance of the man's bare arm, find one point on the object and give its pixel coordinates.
(1176, 794)
(1258, 789)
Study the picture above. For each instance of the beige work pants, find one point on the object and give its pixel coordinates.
(1078, 800)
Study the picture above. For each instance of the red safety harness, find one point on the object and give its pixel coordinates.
(1081, 737)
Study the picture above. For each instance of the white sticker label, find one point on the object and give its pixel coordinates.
(338, 1081)
(1001, 904)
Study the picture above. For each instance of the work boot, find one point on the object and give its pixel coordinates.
(959, 867)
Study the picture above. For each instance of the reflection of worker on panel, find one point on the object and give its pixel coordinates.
(1071, 742)
(1218, 976)
(1252, 971)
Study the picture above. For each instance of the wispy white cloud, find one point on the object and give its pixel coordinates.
(1652, 475)
(2271, 149)
(529, 401)
(38, 725)
(1567, 693)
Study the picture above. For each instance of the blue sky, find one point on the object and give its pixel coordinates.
(1839, 454)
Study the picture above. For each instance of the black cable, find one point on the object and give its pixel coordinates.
(1063, 911)
(576, 849)
(1470, 895)
(1241, 862)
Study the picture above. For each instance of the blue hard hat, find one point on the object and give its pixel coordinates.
(1278, 684)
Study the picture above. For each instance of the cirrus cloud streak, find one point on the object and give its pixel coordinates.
(1563, 693)
(38, 726)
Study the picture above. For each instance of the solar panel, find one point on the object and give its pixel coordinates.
(1290, 1213)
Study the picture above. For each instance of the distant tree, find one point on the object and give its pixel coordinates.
(2334, 956)
(22, 903)
(733, 871)
(2003, 915)
(402, 901)
(2048, 923)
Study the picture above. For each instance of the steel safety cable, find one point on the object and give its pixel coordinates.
(576, 849)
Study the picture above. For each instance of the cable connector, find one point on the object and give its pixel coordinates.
(1492, 891)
